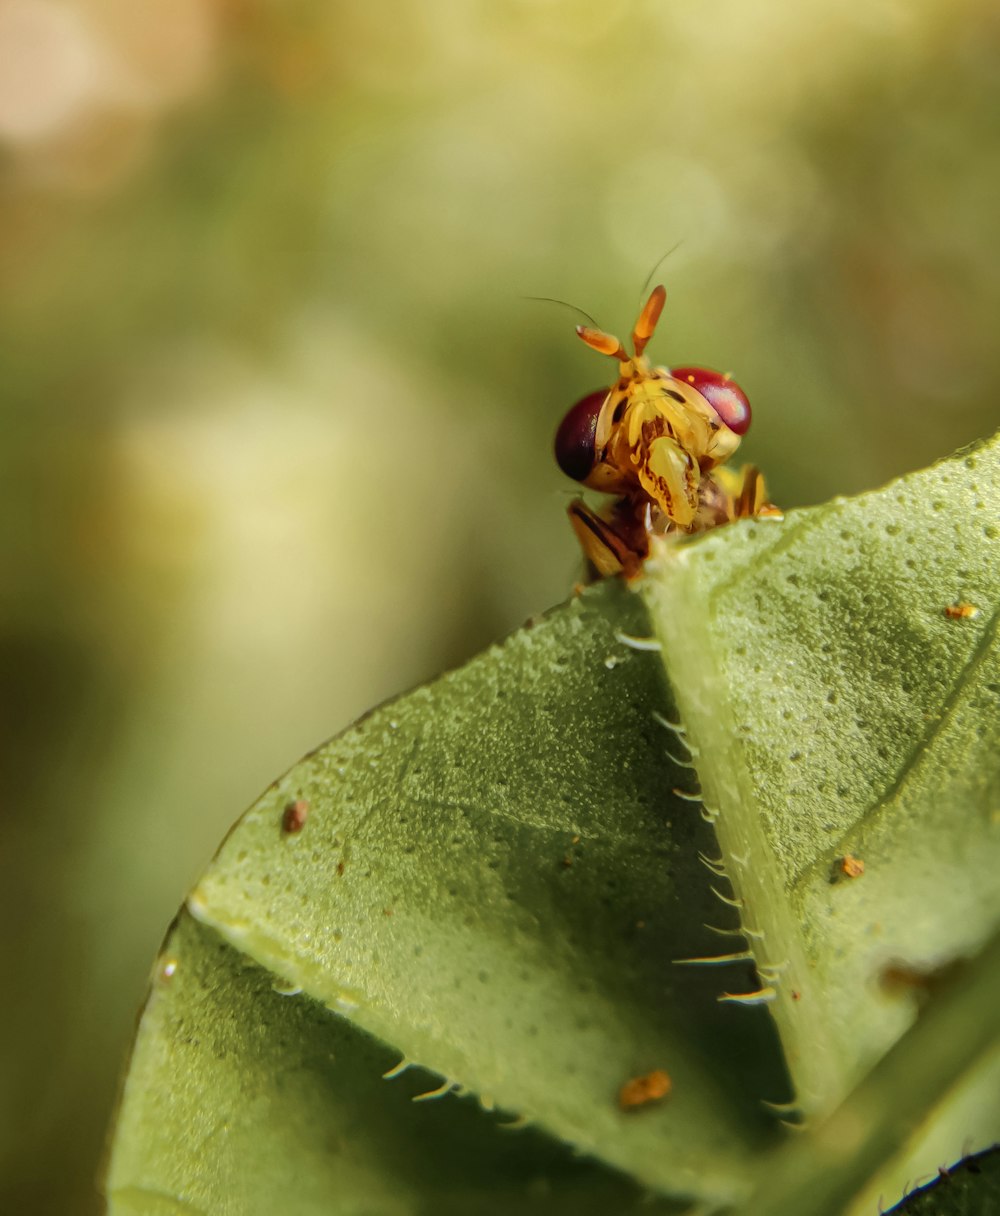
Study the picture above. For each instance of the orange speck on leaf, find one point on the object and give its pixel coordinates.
(851, 867)
(640, 1091)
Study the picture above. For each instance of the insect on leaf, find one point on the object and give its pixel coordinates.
(490, 879)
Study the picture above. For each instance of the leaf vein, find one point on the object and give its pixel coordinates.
(923, 745)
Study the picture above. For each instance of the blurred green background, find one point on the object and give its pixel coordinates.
(276, 419)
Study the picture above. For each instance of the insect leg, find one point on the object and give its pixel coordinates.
(752, 496)
(604, 548)
(726, 495)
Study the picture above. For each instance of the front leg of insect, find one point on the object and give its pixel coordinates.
(655, 439)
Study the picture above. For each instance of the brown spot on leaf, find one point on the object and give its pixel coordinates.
(294, 817)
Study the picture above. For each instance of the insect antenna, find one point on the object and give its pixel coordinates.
(603, 343)
(563, 304)
(657, 265)
(648, 318)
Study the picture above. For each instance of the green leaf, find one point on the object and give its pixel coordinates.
(954, 1039)
(496, 877)
(970, 1188)
(838, 710)
(242, 1098)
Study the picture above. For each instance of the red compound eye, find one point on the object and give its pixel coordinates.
(575, 437)
(724, 395)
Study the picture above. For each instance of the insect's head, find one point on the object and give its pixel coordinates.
(585, 430)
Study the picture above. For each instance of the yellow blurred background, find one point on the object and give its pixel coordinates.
(276, 418)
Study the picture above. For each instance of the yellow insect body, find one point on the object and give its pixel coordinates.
(655, 439)
(667, 438)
